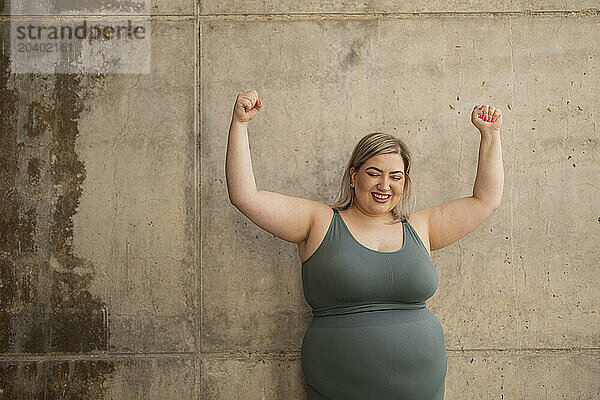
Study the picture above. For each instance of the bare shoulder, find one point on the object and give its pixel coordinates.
(419, 221)
(321, 219)
(321, 214)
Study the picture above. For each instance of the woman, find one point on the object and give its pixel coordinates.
(366, 266)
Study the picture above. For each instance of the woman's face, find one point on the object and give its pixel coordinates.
(382, 174)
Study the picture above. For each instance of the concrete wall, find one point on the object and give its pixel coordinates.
(126, 274)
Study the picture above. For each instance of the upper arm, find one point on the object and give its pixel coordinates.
(449, 222)
(287, 217)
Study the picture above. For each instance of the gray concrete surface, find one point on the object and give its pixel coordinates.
(126, 273)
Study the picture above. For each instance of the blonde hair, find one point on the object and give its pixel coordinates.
(371, 145)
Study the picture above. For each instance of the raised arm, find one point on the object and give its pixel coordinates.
(287, 217)
(452, 221)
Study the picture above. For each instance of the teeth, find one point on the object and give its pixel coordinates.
(381, 197)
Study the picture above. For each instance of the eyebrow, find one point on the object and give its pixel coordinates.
(378, 170)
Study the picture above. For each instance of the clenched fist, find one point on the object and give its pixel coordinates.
(247, 105)
(486, 118)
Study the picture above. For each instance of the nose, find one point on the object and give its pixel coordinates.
(384, 184)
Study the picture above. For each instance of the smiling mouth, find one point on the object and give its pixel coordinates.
(380, 197)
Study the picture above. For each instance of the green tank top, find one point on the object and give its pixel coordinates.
(343, 276)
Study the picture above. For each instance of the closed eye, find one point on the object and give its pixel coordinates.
(393, 177)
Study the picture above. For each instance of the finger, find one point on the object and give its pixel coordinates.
(480, 111)
(491, 113)
(246, 103)
(486, 113)
(249, 96)
(252, 96)
(496, 115)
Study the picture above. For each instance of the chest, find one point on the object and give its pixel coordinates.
(344, 272)
(383, 239)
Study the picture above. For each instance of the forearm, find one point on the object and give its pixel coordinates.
(489, 182)
(238, 165)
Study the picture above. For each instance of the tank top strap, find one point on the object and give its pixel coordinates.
(410, 234)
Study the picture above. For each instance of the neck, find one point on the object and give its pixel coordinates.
(369, 218)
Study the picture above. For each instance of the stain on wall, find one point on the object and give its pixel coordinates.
(45, 302)
(54, 379)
